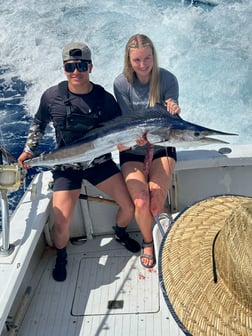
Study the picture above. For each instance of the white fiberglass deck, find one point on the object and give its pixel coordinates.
(107, 292)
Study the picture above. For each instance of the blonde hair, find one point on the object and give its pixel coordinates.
(142, 41)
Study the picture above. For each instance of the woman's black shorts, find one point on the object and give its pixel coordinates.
(138, 154)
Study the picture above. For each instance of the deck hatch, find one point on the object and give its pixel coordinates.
(112, 285)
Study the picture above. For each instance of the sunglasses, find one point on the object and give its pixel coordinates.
(81, 66)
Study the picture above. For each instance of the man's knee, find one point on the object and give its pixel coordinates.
(130, 209)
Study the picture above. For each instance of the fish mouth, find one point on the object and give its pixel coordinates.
(212, 140)
(203, 134)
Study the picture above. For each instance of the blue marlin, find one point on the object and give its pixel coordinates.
(156, 124)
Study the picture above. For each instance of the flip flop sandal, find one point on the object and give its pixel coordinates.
(147, 256)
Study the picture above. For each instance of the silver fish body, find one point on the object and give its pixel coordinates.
(160, 127)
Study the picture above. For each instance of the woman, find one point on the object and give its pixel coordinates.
(143, 84)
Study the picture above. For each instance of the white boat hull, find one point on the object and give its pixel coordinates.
(107, 292)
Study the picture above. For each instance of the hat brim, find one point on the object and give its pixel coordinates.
(200, 306)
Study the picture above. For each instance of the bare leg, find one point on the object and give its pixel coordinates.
(63, 207)
(149, 198)
(115, 187)
(159, 183)
(138, 188)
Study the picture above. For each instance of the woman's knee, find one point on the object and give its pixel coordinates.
(157, 203)
(142, 203)
(155, 209)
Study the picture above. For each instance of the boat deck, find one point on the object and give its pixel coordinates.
(107, 292)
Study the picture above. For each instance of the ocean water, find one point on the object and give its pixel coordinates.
(206, 44)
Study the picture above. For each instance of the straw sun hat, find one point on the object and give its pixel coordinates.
(206, 267)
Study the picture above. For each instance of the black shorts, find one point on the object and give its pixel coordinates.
(138, 154)
(71, 179)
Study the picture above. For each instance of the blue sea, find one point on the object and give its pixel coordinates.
(206, 44)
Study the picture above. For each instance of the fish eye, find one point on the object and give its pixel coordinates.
(197, 134)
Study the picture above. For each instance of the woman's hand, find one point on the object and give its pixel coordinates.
(172, 106)
(122, 148)
(141, 141)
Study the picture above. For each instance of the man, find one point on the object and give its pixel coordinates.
(74, 107)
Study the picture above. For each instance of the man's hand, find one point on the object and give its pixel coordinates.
(24, 156)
